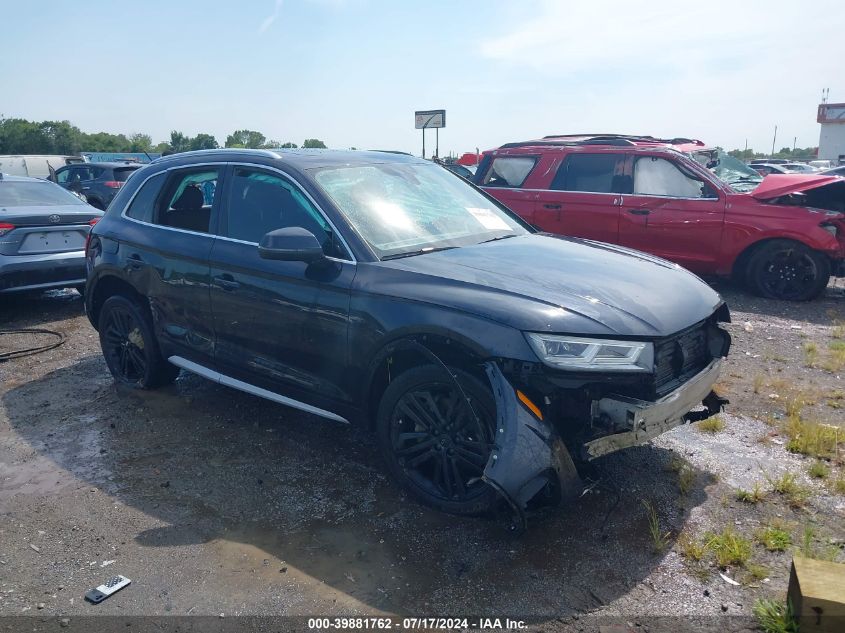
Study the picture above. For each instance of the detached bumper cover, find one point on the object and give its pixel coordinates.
(646, 420)
(527, 452)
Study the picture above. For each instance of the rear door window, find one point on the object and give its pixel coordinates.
(187, 199)
(596, 173)
(509, 171)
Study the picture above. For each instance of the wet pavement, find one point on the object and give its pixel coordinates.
(213, 501)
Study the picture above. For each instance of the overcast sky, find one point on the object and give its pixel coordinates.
(352, 72)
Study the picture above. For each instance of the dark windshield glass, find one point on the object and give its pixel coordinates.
(411, 208)
(34, 194)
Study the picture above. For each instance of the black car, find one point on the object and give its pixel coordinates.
(43, 229)
(382, 289)
(98, 182)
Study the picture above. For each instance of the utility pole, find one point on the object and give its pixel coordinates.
(774, 138)
(794, 145)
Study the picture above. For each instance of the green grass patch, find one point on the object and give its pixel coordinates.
(774, 616)
(729, 547)
(774, 538)
(712, 424)
(818, 470)
(755, 495)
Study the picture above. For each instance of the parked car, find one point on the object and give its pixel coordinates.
(43, 229)
(766, 170)
(784, 238)
(382, 289)
(821, 164)
(98, 182)
(799, 168)
(768, 161)
(461, 170)
(35, 166)
(836, 171)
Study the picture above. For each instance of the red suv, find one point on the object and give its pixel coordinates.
(782, 235)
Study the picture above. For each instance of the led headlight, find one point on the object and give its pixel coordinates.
(592, 354)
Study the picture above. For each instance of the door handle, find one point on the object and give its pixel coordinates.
(551, 206)
(639, 211)
(134, 262)
(226, 282)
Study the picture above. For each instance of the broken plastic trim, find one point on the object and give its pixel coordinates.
(527, 452)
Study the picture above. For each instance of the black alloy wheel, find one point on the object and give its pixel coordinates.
(783, 269)
(128, 345)
(435, 445)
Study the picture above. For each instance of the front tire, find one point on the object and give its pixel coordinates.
(129, 346)
(433, 445)
(789, 270)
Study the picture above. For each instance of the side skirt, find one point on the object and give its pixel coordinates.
(240, 385)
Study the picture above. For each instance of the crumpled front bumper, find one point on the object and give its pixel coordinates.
(528, 452)
(646, 420)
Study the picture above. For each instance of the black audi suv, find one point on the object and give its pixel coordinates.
(381, 289)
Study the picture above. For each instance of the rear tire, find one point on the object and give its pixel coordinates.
(129, 346)
(432, 446)
(788, 270)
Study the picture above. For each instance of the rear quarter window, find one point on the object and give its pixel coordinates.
(142, 205)
(508, 171)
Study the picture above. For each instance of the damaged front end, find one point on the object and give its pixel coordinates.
(582, 418)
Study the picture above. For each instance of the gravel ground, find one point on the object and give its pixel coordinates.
(216, 502)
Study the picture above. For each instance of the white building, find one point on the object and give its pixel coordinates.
(832, 137)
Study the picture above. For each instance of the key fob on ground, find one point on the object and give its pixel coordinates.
(113, 585)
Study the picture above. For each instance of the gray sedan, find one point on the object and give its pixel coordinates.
(43, 230)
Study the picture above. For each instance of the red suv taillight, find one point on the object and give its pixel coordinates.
(5, 228)
(113, 184)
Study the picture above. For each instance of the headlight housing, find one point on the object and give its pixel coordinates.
(592, 354)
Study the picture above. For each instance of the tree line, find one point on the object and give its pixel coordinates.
(799, 153)
(20, 136)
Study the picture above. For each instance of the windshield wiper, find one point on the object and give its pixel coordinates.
(422, 251)
(501, 237)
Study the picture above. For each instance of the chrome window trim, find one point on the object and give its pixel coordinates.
(223, 237)
(240, 385)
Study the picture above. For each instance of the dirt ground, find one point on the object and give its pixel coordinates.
(215, 502)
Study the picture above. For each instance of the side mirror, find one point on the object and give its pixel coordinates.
(290, 244)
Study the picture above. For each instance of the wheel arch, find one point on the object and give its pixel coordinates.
(741, 261)
(411, 349)
(107, 286)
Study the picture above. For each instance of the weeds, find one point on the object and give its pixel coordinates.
(729, 547)
(755, 495)
(758, 572)
(712, 424)
(658, 539)
(691, 548)
(759, 380)
(812, 438)
(787, 486)
(838, 485)
(686, 479)
(774, 537)
(775, 616)
(811, 354)
(818, 470)
(807, 536)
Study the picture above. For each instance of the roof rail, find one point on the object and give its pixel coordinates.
(629, 137)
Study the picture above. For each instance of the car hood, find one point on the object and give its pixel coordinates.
(555, 284)
(777, 185)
